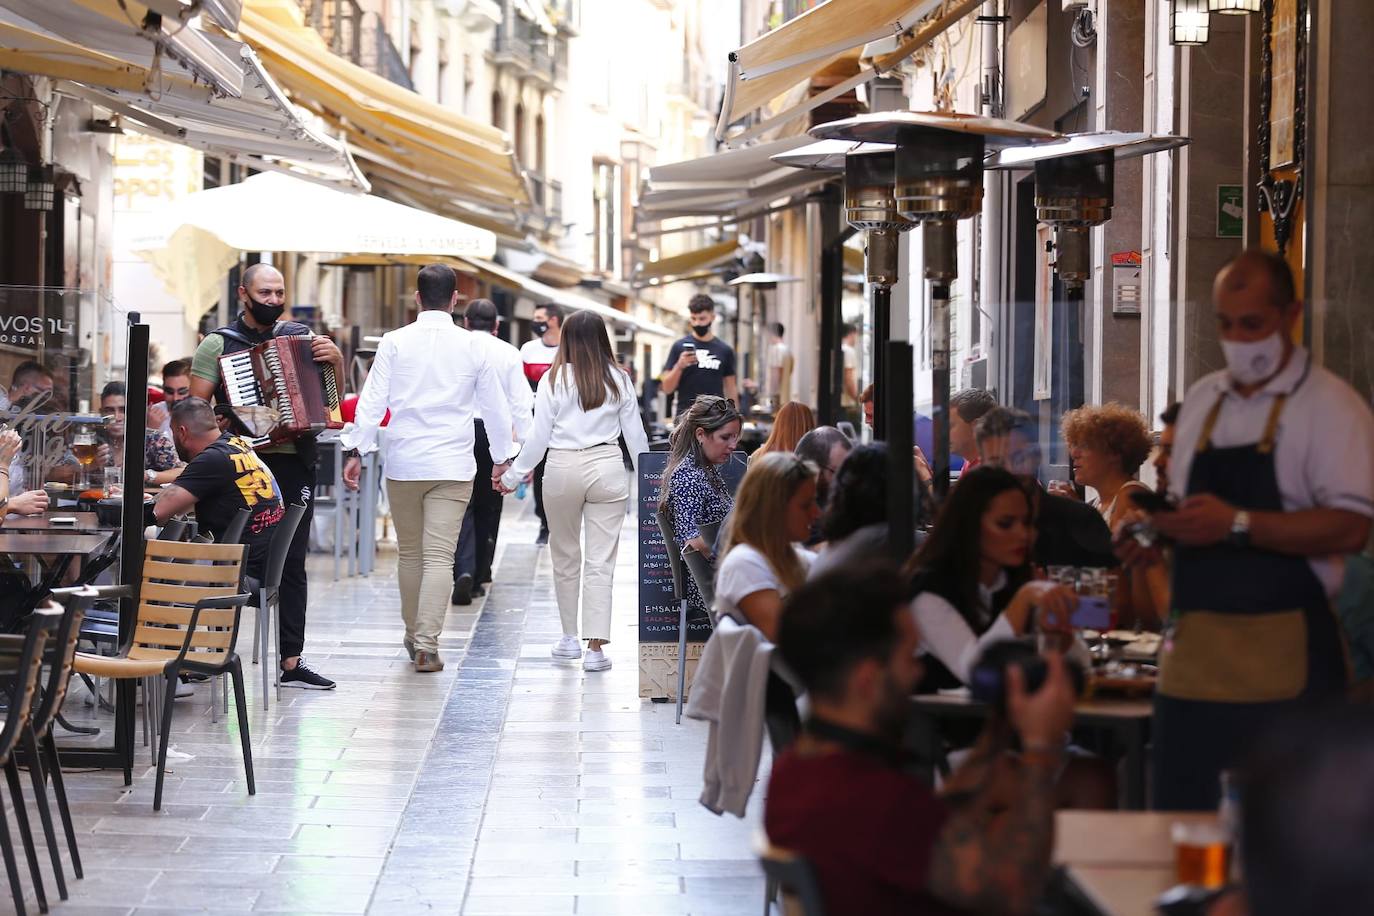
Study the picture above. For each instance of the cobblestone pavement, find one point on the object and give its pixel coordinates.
(510, 783)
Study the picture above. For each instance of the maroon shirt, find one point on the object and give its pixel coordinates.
(866, 828)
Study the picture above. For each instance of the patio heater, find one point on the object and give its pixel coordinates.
(937, 181)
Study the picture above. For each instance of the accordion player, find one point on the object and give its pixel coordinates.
(278, 392)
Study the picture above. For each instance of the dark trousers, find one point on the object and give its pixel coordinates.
(297, 482)
(539, 495)
(482, 522)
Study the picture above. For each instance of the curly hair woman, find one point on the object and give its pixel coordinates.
(1108, 444)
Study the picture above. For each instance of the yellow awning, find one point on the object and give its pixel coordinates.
(388, 126)
(780, 61)
(689, 263)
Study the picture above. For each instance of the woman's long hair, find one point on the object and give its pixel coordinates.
(793, 421)
(585, 350)
(760, 515)
(858, 494)
(949, 562)
(708, 412)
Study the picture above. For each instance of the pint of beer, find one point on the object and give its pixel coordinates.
(1202, 854)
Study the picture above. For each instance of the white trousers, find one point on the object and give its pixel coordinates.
(584, 493)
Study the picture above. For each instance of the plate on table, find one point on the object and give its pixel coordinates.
(1128, 678)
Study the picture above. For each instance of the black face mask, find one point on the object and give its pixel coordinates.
(263, 313)
(700, 330)
(540, 327)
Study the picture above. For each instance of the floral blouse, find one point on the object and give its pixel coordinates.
(696, 496)
(159, 454)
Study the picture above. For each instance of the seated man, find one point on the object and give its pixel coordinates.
(879, 841)
(1068, 532)
(222, 475)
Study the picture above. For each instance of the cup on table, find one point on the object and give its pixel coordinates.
(1202, 854)
(114, 481)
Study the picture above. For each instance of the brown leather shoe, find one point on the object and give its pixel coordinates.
(426, 662)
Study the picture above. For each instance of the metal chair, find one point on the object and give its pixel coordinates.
(24, 662)
(233, 532)
(665, 527)
(188, 620)
(268, 593)
(703, 572)
(794, 878)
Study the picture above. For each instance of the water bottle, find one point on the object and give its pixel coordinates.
(520, 490)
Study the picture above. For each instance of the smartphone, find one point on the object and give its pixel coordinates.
(1151, 501)
(1092, 613)
(62, 520)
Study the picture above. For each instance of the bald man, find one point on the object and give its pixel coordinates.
(1273, 471)
(262, 296)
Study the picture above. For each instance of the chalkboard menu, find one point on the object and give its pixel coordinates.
(658, 612)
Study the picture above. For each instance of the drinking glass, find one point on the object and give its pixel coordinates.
(114, 481)
(1202, 854)
(84, 448)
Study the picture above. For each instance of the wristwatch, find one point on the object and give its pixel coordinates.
(150, 476)
(1240, 530)
(352, 453)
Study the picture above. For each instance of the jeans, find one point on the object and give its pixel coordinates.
(428, 514)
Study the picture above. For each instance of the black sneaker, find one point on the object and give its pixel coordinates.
(478, 591)
(543, 537)
(462, 590)
(302, 676)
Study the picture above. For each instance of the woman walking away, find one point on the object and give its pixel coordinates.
(694, 493)
(583, 404)
(774, 511)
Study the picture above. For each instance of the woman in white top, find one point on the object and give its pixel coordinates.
(973, 581)
(584, 403)
(774, 511)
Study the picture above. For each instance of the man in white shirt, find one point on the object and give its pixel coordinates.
(1273, 465)
(780, 364)
(430, 374)
(482, 522)
(537, 355)
(849, 394)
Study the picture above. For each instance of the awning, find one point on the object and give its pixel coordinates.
(541, 293)
(113, 29)
(778, 62)
(400, 136)
(702, 262)
(728, 185)
(195, 240)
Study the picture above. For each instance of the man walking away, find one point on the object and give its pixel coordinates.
(482, 521)
(537, 356)
(262, 295)
(429, 374)
(699, 363)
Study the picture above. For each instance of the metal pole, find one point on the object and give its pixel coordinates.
(882, 334)
(831, 293)
(898, 393)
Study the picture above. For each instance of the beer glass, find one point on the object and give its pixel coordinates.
(84, 447)
(1202, 854)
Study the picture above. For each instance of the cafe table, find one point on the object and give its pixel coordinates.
(1121, 860)
(85, 522)
(1127, 720)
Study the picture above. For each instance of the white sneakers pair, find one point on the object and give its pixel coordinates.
(570, 647)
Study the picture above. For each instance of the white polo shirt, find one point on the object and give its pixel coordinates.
(1324, 457)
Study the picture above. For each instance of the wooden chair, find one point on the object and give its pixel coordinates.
(188, 620)
(791, 874)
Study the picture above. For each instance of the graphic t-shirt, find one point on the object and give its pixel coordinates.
(229, 476)
(537, 357)
(715, 361)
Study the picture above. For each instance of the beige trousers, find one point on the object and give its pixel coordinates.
(584, 493)
(428, 515)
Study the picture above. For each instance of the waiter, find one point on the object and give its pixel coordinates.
(262, 293)
(1273, 468)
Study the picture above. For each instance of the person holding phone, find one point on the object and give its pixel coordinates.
(700, 363)
(1273, 471)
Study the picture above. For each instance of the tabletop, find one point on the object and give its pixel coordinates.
(85, 521)
(1090, 707)
(1122, 891)
(1123, 860)
(31, 543)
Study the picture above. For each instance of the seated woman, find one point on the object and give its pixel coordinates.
(160, 462)
(774, 511)
(1108, 444)
(695, 494)
(972, 579)
(793, 421)
(854, 523)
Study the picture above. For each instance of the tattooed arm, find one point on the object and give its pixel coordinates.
(993, 854)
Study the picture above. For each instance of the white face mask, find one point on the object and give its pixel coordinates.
(1253, 362)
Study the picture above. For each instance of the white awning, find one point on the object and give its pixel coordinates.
(725, 185)
(782, 62)
(194, 240)
(541, 294)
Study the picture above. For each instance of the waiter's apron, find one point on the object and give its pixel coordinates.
(1253, 632)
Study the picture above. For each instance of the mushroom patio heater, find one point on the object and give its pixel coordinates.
(937, 181)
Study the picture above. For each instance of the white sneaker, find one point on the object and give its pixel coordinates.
(596, 660)
(567, 647)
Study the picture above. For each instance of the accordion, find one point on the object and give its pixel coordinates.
(278, 392)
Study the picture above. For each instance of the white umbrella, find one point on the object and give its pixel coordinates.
(196, 239)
